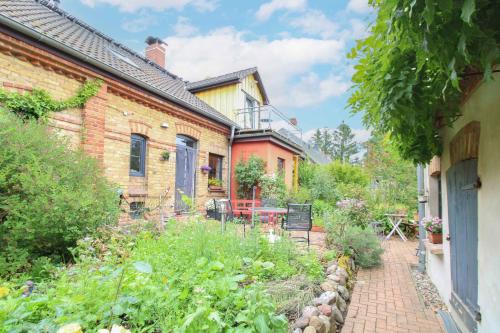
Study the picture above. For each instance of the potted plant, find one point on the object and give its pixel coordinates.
(205, 169)
(165, 155)
(214, 184)
(434, 227)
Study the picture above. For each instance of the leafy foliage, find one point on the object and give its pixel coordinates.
(192, 278)
(394, 180)
(274, 187)
(38, 103)
(409, 69)
(51, 196)
(343, 144)
(248, 174)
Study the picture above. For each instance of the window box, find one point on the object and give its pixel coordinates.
(436, 249)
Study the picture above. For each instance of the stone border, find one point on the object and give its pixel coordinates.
(327, 312)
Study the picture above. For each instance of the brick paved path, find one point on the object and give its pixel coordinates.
(384, 299)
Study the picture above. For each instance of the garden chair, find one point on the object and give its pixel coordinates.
(298, 218)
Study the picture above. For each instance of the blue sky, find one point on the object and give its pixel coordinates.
(299, 46)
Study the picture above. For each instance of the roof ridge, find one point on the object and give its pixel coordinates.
(254, 68)
(50, 5)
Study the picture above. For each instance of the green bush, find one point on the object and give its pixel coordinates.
(51, 196)
(306, 173)
(274, 187)
(323, 186)
(348, 239)
(248, 174)
(192, 278)
(363, 245)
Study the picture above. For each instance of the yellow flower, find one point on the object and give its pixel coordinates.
(4, 291)
(70, 328)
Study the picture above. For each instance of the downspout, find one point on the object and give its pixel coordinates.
(421, 214)
(229, 162)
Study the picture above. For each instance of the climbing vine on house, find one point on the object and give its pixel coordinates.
(410, 66)
(38, 103)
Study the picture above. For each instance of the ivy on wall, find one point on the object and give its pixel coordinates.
(410, 67)
(38, 103)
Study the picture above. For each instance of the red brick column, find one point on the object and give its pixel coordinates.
(93, 125)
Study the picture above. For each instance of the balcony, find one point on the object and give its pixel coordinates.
(266, 118)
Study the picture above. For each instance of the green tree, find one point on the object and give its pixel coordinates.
(51, 196)
(248, 174)
(343, 144)
(393, 178)
(323, 140)
(410, 67)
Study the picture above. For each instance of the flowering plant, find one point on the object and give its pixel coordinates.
(355, 210)
(206, 168)
(434, 225)
(210, 204)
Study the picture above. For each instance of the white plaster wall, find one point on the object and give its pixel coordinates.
(483, 106)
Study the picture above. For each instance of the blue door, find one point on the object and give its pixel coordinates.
(185, 171)
(462, 184)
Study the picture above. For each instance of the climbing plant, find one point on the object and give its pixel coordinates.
(38, 103)
(410, 67)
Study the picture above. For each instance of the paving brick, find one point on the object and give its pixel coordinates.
(385, 298)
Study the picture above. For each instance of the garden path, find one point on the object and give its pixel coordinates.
(385, 299)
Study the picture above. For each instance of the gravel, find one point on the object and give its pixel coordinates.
(427, 291)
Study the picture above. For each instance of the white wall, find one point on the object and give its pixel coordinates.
(483, 106)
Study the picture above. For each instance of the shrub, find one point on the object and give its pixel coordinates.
(192, 278)
(248, 175)
(306, 173)
(348, 239)
(363, 245)
(273, 187)
(323, 186)
(51, 196)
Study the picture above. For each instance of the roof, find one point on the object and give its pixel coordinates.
(314, 154)
(267, 135)
(229, 78)
(52, 26)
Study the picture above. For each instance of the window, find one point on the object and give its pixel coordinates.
(215, 162)
(137, 156)
(281, 166)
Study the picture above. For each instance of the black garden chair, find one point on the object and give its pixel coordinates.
(298, 218)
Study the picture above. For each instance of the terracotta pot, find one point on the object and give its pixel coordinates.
(317, 228)
(435, 238)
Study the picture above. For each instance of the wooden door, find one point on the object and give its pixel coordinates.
(462, 184)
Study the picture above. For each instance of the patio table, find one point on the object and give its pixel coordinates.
(273, 213)
(396, 220)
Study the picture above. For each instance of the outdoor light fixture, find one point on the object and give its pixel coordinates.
(164, 125)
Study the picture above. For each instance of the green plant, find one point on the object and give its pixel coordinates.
(248, 174)
(192, 278)
(323, 186)
(410, 67)
(51, 195)
(38, 103)
(273, 187)
(165, 155)
(214, 182)
(306, 173)
(349, 240)
(434, 225)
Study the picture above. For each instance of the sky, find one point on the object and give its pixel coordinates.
(299, 46)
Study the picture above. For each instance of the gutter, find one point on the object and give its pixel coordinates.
(77, 54)
(230, 161)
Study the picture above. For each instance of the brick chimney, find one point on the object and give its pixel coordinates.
(155, 50)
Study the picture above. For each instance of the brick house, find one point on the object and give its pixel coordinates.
(241, 96)
(142, 113)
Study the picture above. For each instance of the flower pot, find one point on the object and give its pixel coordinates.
(435, 238)
(215, 188)
(317, 228)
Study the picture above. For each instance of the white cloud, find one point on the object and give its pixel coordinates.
(267, 9)
(315, 22)
(184, 28)
(286, 64)
(358, 6)
(140, 23)
(159, 5)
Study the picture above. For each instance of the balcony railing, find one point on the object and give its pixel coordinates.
(266, 117)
